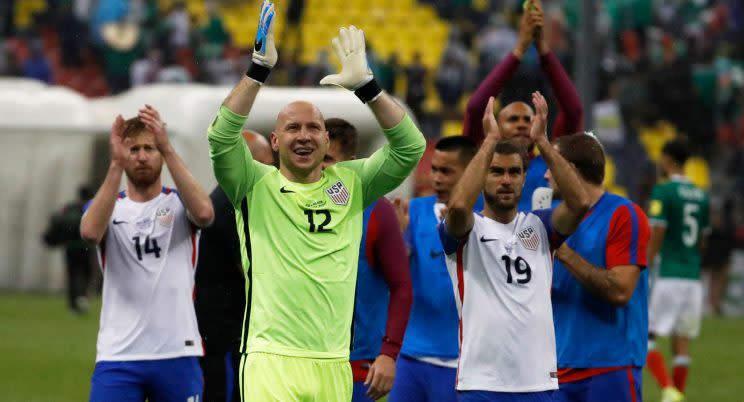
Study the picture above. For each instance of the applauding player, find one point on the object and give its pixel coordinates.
(146, 238)
(305, 224)
(501, 267)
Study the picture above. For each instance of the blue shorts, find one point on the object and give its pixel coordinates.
(486, 396)
(416, 381)
(167, 380)
(616, 386)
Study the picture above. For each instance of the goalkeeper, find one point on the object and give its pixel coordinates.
(305, 224)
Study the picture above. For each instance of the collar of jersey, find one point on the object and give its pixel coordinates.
(292, 185)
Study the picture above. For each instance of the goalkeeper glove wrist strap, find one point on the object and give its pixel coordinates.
(369, 91)
(257, 72)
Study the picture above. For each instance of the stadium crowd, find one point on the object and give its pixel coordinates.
(670, 96)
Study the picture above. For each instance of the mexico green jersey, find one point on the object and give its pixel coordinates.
(304, 238)
(682, 208)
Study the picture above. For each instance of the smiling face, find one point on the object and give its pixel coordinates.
(300, 138)
(515, 121)
(145, 161)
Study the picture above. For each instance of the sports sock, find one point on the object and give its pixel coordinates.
(679, 373)
(657, 367)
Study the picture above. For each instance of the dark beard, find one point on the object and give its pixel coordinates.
(496, 205)
(145, 181)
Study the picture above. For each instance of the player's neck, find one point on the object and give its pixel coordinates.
(499, 215)
(299, 176)
(594, 192)
(144, 194)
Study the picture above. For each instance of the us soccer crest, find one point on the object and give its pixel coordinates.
(529, 238)
(338, 193)
(164, 216)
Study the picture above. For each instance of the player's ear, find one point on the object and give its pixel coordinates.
(274, 142)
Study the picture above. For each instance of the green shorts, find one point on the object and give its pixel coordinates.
(266, 377)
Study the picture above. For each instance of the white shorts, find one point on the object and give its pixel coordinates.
(676, 307)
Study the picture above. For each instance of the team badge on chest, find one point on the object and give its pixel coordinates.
(338, 193)
(529, 238)
(165, 216)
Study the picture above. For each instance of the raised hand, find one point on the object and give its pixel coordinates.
(538, 17)
(119, 152)
(401, 210)
(531, 19)
(539, 128)
(264, 50)
(151, 119)
(350, 50)
(490, 126)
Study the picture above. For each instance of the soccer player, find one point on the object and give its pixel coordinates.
(220, 288)
(383, 270)
(679, 226)
(305, 224)
(600, 288)
(427, 367)
(146, 238)
(515, 118)
(501, 267)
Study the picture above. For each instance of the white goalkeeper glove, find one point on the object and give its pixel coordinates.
(355, 73)
(264, 51)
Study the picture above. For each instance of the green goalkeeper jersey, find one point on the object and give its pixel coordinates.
(301, 275)
(682, 208)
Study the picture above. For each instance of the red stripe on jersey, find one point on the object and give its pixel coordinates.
(631, 384)
(193, 248)
(373, 229)
(576, 374)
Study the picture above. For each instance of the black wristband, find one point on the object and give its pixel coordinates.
(258, 72)
(368, 91)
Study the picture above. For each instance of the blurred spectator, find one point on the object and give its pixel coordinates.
(178, 24)
(387, 73)
(147, 69)
(316, 71)
(64, 230)
(172, 72)
(416, 90)
(452, 77)
(37, 65)
(214, 31)
(494, 42)
(72, 37)
(717, 255)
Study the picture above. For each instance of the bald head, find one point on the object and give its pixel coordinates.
(296, 109)
(259, 146)
(515, 121)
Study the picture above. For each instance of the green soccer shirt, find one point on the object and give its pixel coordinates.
(682, 208)
(301, 274)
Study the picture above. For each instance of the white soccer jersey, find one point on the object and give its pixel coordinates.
(148, 258)
(501, 274)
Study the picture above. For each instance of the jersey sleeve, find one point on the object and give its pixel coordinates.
(385, 169)
(627, 237)
(656, 208)
(388, 255)
(555, 239)
(450, 243)
(234, 167)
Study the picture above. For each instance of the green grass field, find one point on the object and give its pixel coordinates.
(47, 354)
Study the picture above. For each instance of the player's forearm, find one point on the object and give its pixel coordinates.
(572, 191)
(399, 308)
(568, 98)
(241, 98)
(654, 243)
(596, 280)
(491, 86)
(386, 110)
(465, 194)
(94, 223)
(194, 197)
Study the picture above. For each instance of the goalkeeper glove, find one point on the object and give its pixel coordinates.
(355, 73)
(264, 51)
